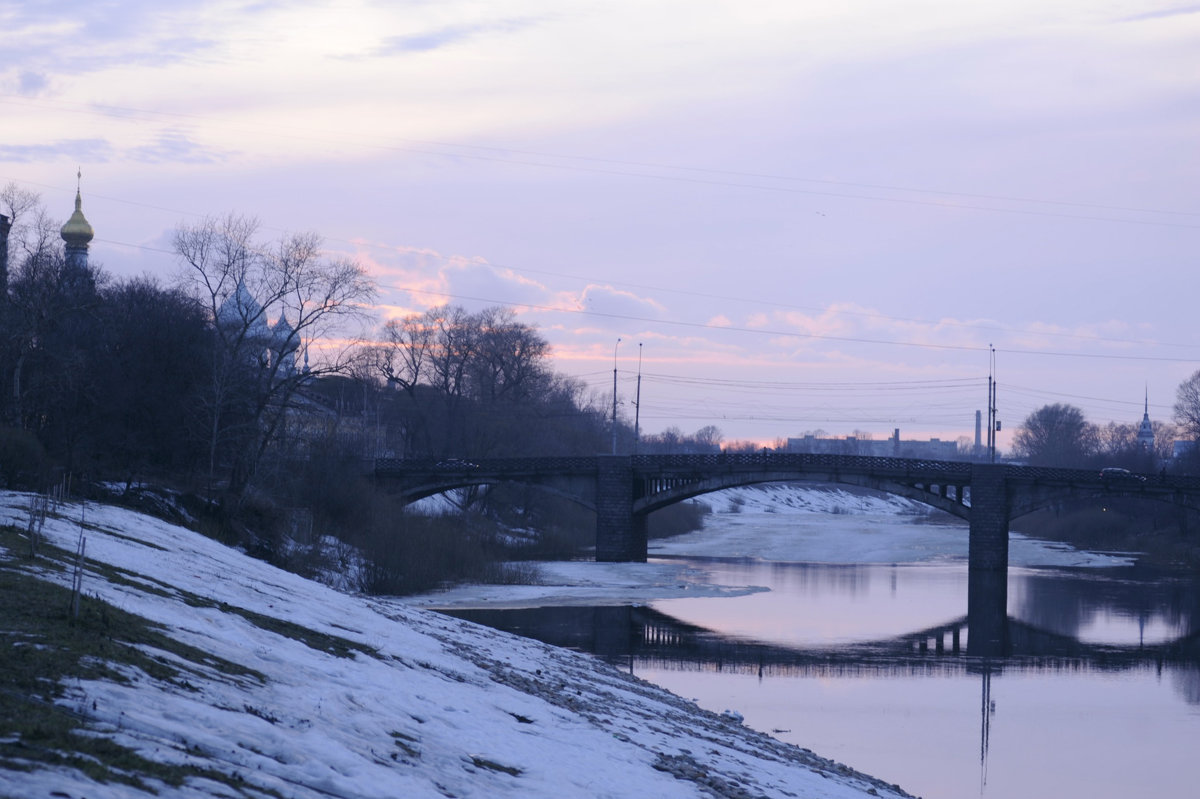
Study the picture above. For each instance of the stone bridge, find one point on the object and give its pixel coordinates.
(624, 489)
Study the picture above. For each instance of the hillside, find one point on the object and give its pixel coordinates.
(195, 671)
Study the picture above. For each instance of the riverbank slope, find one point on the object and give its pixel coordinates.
(195, 671)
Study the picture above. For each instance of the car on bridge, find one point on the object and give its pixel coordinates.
(1115, 474)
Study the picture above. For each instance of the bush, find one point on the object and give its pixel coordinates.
(23, 461)
(677, 519)
(421, 554)
(1160, 533)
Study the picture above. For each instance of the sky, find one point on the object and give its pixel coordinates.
(795, 217)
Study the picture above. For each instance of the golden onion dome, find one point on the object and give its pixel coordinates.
(77, 230)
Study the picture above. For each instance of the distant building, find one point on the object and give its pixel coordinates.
(893, 447)
(243, 324)
(1145, 434)
(76, 234)
(5, 226)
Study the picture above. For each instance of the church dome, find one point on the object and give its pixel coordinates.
(77, 231)
(241, 315)
(284, 335)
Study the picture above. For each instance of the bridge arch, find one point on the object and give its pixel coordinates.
(948, 498)
(418, 491)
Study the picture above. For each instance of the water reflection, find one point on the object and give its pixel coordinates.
(977, 644)
(1110, 605)
(1012, 687)
(987, 708)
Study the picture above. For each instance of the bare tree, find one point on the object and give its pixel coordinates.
(1115, 438)
(1187, 406)
(1165, 434)
(1056, 435)
(479, 383)
(509, 357)
(254, 374)
(708, 438)
(404, 354)
(33, 235)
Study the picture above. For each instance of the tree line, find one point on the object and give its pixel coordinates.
(254, 348)
(253, 380)
(1059, 434)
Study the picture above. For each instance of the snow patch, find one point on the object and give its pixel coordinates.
(414, 704)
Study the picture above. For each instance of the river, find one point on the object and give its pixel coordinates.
(860, 649)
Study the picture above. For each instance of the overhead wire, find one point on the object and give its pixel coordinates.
(757, 387)
(752, 385)
(340, 139)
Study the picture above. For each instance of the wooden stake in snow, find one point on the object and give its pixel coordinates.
(39, 507)
(77, 583)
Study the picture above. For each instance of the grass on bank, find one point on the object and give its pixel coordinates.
(45, 646)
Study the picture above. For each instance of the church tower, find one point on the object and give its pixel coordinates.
(76, 234)
(5, 226)
(283, 347)
(1145, 434)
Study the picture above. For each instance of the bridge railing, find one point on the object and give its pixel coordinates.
(959, 471)
(918, 469)
(931, 469)
(490, 466)
(1092, 477)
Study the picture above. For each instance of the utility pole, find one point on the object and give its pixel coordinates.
(637, 402)
(993, 424)
(614, 412)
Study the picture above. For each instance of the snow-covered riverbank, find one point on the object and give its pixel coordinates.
(348, 696)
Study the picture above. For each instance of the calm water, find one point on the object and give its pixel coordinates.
(1094, 691)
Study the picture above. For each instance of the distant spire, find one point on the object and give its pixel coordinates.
(1145, 434)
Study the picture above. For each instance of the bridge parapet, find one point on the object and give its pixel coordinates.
(1097, 477)
(397, 467)
(808, 461)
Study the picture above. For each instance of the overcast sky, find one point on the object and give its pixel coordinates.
(811, 215)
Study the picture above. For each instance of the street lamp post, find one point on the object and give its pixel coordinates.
(993, 423)
(614, 411)
(637, 402)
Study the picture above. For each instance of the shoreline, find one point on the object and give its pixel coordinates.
(268, 682)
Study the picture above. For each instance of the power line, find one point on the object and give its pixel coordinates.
(340, 140)
(787, 333)
(668, 290)
(760, 386)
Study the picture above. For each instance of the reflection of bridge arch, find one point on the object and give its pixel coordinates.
(623, 634)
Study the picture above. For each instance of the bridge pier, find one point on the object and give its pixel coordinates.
(620, 534)
(988, 547)
(987, 580)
